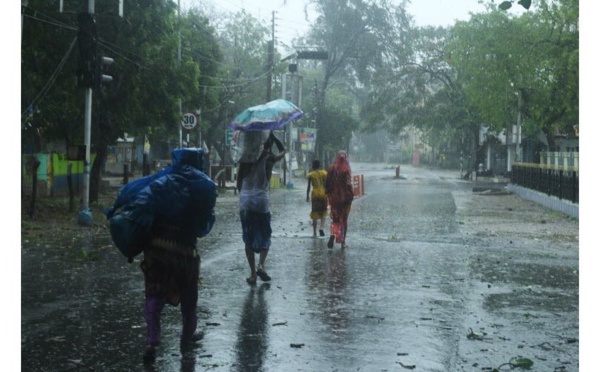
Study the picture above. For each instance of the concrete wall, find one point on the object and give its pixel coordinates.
(551, 202)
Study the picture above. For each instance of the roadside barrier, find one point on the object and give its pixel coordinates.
(358, 184)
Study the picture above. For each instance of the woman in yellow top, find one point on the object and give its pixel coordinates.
(316, 179)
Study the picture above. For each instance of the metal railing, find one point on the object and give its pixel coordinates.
(562, 182)
(560, 160)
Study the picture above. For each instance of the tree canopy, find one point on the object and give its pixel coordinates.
(383, 73)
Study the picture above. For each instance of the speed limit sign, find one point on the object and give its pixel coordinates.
(189, 121)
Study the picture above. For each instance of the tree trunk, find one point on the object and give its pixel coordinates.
(96, 172)
(34, 168)
(550, 138)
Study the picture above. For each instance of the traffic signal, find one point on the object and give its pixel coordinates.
(312, 54)
(102, 66)
(86, 44)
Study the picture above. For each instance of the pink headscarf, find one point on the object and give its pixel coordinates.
(340, 164)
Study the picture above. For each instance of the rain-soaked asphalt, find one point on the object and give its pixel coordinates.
(415, 290)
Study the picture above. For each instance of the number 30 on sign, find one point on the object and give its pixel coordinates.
(189, 121)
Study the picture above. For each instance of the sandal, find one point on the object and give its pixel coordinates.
(263, 275)
(321, 233)
(330, 242)
(251, 281)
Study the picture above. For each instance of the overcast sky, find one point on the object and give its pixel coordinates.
(290, 20)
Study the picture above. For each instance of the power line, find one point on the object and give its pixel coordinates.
(52, 78)
(118, 51)
(52, 23)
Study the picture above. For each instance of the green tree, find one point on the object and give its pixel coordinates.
(418, 88)
(49, 106)
(535, 56)
(359, 37)
(242, 74)
(148, 78)
(339, 116)
(200, 43)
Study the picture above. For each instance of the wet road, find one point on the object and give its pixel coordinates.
(421, 287)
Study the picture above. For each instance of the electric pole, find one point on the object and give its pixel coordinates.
(270, 58)
(90, 74)
(179, 60)
(87, 52)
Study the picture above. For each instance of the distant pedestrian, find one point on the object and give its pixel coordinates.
(253, 184)
(340, 194)
(173, 208)
(318, 199)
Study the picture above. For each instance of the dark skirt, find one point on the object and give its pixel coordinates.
(256, 230)
(169, 269)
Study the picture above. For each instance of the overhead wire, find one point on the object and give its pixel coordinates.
(119, 51)
(54, 21)
(51, 80)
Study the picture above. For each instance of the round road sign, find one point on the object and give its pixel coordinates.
(189, 121)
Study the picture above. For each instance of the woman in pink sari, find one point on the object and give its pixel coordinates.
(340, 194)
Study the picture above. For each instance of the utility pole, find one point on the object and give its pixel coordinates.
(290, 184)
(90, 68)
(23, 6)
(85, 216)
(270, 58)
(519, 125)
(316, 117)
(179, 60)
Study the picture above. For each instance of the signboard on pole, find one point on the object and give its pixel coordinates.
(189, 121)
(308, 137)
(229, 137)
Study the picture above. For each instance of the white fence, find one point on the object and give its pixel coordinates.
(565, 160)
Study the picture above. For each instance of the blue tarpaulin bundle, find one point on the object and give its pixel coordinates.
(181, 195)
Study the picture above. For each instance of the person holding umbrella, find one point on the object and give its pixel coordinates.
(253, 183)
(254, 176)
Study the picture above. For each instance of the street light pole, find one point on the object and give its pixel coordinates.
(519, 124)
(85, 216)
(179, 60)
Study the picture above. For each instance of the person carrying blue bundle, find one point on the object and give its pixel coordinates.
(170, 210)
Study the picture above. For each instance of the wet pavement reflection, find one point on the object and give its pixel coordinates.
(405, 294)
(252, 343)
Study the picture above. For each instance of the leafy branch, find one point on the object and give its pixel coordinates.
(505, 5)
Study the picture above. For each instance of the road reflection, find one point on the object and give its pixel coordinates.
(328, 279)
(251, 346)
(335, 302)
